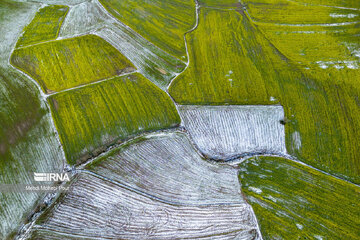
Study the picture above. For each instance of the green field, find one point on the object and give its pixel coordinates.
(227, 63)
(45, 26)
(232, 62)
(290, 12)
(67, 63)
(162, 22)
(314, 44)
(90, 118)
(293, 201)
(220, 3)
(334, 3)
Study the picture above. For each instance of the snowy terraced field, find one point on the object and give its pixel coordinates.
(225, 132)
(76, 24)
(156, 186)
(168, 167)
(101, 209)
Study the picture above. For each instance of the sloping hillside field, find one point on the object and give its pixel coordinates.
(182, 119)
(293, 201)
(28, 141)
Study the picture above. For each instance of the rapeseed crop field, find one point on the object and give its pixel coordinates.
(90, 118)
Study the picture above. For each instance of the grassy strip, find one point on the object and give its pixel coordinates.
(162, 22)
(232, 62)
(90, 118)
(290, 12)
(316, 45)
(45, 26)
(67, 63)
(334, 3)
(293, 201)
(220, 3)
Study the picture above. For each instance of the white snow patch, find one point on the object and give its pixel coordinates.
(338, 64)
(335, 15)
(271, 198)
(338, 67)
(322, 65)
(296, 140)
(255, 190)
(299, 226)
(354, 49)
(82, 18)
(352, 64)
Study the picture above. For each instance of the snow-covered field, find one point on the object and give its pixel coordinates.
(168, 167)
(224, 132)
(95, 208)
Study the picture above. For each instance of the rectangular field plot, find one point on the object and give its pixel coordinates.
(223, 132)
(64, 64)
(45, 26)
(90, 118)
